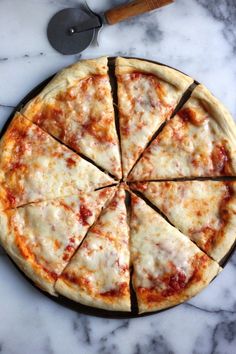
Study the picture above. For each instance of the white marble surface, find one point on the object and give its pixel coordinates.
(196, 36)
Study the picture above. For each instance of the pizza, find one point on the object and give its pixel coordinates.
(34, 166)
(130, 209)
(147, 96)
(42, 237)
(98, 274)
(200, 141)
(76, 107)
(205, 211)
(168, 267)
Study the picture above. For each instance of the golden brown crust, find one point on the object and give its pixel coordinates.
(70, 291)
(66, 78)
(172, 76)
(208, 274)
(221, 115)
(41, 278)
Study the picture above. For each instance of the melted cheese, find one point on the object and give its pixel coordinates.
(45, 235)
(82, 116)
(203, 210)
(34, 166)
(99, 272)
(155, 244)
(190, 145)
(145, 102)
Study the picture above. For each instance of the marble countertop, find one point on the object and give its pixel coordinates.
(195, 36)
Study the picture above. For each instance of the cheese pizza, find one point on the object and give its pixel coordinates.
(76, 107)
(200, 141)
(90, 199)
(42, 237)
(168, 267)
(147, 96)
(98, 274)
(34, 166)
(203, 210)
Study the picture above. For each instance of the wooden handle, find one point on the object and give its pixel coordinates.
(133, 8)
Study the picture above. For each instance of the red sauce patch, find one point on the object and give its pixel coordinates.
(99, 128)
(52, 119)
(84, 214)
(69, 248)
(17, 166)
(134, 199)
(64, 205)
(136, 75)
(120, 291)
(114, 203)
(72, 278)
(70, 162)
(140, 186)
(48, 114)
(104, 193)
(65, 96)
(189, 115)
(123, 268)
(175, 281)
(221, 160)
(10, 198)
(125, 128)
(17, 133)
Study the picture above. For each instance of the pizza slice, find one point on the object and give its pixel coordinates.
(42, 237)
(76, 107)
(203, 210)
(168, 267)
(200, 141)
(98, 274)
(147, 96)
(34, 166)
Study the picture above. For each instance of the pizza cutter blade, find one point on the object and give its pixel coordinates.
(71, 30)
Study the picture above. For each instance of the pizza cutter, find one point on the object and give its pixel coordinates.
(71, 30)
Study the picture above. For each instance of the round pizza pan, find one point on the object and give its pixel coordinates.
(61, 300)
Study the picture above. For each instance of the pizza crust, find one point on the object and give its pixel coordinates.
(67, 290)
(221, 115)
(67, 77)
(226, 242)
(171, 76)
(210, 272)
(40, 278)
